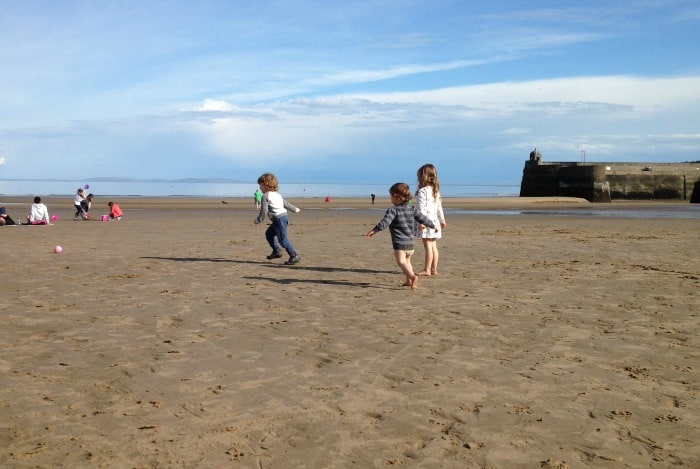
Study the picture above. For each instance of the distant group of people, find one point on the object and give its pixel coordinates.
(425, 220)
(82, 204)
(39, 213)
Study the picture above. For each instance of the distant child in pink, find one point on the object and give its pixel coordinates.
(115, 213)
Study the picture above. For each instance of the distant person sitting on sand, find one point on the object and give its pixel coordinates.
(401, 221)
(5, 219)
(38, 214)
(115, 213)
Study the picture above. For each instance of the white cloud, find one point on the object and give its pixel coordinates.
(564, 114)
(514, 131)
(2, 160)
(638, 93)
(289, 136)
(215, 105)
(365, 76)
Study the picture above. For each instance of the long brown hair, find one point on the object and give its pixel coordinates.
(427, 176)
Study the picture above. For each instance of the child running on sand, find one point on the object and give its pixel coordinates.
(78, 204)
(429, 203)
(401, 220)
(275, 207)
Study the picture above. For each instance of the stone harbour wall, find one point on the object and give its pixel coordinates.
(603, 182)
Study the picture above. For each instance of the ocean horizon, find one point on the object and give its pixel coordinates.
(224, 189)
(218, 188)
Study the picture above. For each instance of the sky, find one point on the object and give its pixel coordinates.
(325, 91)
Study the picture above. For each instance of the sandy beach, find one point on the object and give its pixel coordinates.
(167, 339)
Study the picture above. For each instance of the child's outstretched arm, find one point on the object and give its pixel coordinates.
(291, 207)
(383, 223)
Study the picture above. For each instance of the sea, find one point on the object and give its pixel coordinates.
(56, 188)
(67, 188)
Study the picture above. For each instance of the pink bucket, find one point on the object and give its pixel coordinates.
(104, 218)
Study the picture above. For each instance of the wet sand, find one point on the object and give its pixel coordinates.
(168, 340)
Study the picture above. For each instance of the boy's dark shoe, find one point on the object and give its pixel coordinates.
(293, 260)
(275, 255)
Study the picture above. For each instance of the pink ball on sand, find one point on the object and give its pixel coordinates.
(57, 249)
(54, 218)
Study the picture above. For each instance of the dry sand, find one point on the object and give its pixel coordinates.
(168, 340)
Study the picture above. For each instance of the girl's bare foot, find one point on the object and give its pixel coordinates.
(424, 273)
(414, 283)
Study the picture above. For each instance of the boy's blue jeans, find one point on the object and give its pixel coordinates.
(276, 235)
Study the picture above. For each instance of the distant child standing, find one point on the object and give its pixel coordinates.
(401, 220)
(429, 203)
(115, 213)
(78, 204)
(275, 208)
(87, 205)
(258, 198)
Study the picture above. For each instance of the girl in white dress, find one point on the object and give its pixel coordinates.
(429, 203)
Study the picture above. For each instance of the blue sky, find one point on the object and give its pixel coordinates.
(343, 91)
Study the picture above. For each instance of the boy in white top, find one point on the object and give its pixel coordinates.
(275, 208)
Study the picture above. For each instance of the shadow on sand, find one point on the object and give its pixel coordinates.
(272, 265)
